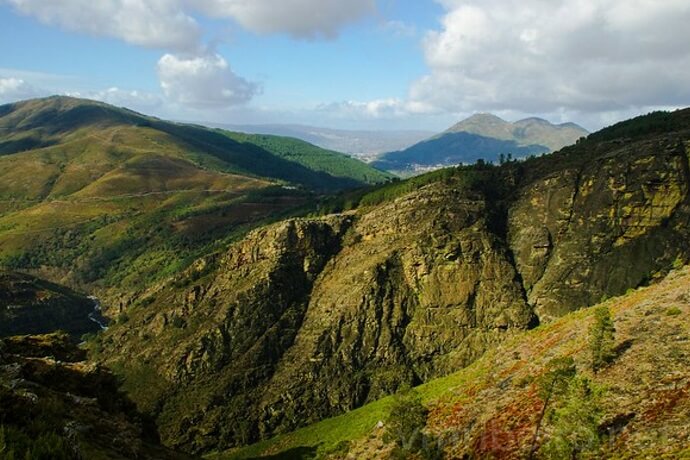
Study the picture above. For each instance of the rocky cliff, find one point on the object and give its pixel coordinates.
(312, 317)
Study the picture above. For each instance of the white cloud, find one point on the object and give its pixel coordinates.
(189, 75)
(376, 109)
(150, 23)
(203, 81)
(170, 24)
(14, 89)
(534, 56)
(299, 18)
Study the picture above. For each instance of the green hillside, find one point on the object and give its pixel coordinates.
(315, 158)
(101, 196)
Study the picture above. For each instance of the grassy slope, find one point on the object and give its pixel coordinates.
(649, 378)
(91, 192)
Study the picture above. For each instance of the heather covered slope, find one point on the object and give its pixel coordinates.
(93, 195)
(309, 318)
(491, 408)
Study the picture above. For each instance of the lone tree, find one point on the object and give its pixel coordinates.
(553, 383)
(405, 426)
(574, 422)
(406, 421)
(601, 338)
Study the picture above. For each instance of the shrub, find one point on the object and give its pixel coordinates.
(673, 311)
(405, 425)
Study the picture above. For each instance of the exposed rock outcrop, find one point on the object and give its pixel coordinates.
(312, 317)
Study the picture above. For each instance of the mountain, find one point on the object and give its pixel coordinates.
(309, 318)
(29, 305)
(358, 143)
(485, 137)
(491, 408)
(530, 131)
(101, 197)
(55, 405)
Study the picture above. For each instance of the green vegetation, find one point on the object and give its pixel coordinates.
(601, 338)
(554, 382)
(673, 311)
(644, 125)
(106, 198)
(315, 158)
(405, 427)
(574, 422)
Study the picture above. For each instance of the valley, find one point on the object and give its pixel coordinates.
(256, 287)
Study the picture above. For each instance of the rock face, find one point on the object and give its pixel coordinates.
(312, 317)
(601, 227)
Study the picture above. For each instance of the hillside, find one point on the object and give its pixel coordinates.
(55, 405)
(312, 317)
(491, 408)
(481, 137)
(96, 196)
(29, 305)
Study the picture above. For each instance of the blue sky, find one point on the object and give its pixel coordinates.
(383, 64)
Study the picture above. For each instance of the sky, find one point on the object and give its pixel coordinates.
(353, 64)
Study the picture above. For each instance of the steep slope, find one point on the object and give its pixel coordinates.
(491, 408)
(481, 136)
(312, 317)
(29, 305)
(99, 196)
(55, 405)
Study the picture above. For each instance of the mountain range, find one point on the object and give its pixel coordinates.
(481, 137)
(265, 297)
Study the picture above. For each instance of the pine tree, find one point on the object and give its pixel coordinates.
(601, 338)
(573, 423)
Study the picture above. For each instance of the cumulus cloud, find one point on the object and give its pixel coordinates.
(189, 74)
(14, 89)
(150, 23)
(205, 81)
(299, 18)
(539, 56)
(170, 24)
